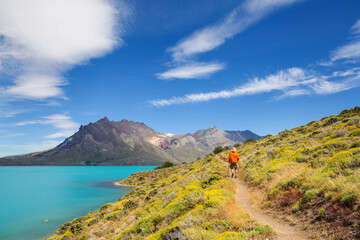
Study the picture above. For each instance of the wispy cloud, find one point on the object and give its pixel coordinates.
(193, 70)
(213, 36)
(7, 113)
(293, 93)
(291, 82)
(350, 50)
(235, 22)
(40, 40)
(347, 72)
(281, 80)
(326, 87)
(63, 123)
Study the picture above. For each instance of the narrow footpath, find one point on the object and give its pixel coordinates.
(283, 229)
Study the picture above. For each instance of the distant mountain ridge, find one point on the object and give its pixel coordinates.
(126, 142)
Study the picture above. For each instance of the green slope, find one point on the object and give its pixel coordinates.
(312, 173)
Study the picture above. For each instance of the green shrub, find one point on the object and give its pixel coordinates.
(218, 149)
(355, 144)
(129, 205)
(264, 229)
(344, 162)
(321, 212)
(210, 181)
(355, 133)
(113, 216)
(250, 140)
(105, 206)
(348, 198)
(321, 152)
(296, 207)
(310, 196)
(166, 165)
(267, 204)
(218, 226)
(330, 121)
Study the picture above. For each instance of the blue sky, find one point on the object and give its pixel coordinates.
(176, 65)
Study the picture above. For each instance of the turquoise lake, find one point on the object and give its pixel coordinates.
(31, 195)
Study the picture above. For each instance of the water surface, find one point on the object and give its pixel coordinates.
(31, 195)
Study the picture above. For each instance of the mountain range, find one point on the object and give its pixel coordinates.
(130, 143)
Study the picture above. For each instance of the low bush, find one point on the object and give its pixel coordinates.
(166, 165)
(348, 198)
(218, 149)
(355, 133)
(310, 196)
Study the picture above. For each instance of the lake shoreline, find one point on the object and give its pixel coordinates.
(124, 185)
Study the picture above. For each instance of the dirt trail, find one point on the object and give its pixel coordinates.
(283, 229)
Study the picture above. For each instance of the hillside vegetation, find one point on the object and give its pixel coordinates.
(310, 175)
(311, 172)
(189, 201)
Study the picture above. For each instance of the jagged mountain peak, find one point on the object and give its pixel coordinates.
(104, 119)
(206, 130)
(126, 142)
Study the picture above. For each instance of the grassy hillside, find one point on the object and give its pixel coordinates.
(311, 172)
(189, 201)
(310, 175)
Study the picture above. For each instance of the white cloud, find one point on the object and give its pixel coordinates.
(282, 80)
(350, 50)
(193, 70)
(63, 123)
(212, 36)
(24, 123)
(356, 27)
(293, 93)
(347, 72)
(326, 87)
(350, 79)
(34, 86)
(292, 82)
(6, 113)
(237, 21)
(42, 39)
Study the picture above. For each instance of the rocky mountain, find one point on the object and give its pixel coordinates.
(192, 146)
(242, 136)
(129, 143)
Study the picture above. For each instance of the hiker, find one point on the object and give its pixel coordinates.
(233, 160)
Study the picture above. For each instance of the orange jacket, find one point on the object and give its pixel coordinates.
(233, 157)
